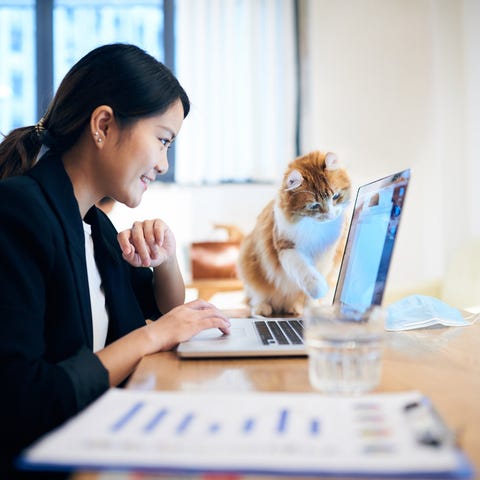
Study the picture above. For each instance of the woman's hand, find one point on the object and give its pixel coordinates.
(147, 244)
(178, 325)
(182, 323)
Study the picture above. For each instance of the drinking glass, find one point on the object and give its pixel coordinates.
(344, 347)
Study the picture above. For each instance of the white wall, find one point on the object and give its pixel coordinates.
(390, 84)
(471, 42)
(394, 84)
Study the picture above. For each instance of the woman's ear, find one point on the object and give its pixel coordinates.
(101, 120)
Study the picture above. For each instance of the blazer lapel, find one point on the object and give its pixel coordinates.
(58, 189)
(121, 304)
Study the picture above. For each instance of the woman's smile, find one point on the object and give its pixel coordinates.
(146, 181)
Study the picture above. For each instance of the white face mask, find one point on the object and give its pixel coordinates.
(420, 311)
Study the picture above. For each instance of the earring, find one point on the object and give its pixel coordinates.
(99, 140)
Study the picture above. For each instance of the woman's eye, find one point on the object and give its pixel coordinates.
(165, 142)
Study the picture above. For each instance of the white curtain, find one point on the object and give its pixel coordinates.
(236, 60)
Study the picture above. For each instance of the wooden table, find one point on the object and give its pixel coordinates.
(442, 363)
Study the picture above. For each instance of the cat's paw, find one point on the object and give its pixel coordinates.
(315, 285)
(262, 309)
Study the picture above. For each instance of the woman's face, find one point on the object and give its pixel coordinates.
(137, 154)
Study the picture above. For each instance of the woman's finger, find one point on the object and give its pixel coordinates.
(125, 244)
(139, 243)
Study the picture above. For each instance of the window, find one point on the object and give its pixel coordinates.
(84, 25)
(16, 39)
(235, 58)
(17, 66)
(27, 31)
(17, 85)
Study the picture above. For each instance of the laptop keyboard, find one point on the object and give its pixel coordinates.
(282, 332)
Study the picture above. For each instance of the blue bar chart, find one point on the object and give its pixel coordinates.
(138, 418)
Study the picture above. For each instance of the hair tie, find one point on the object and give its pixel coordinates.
(43, 135)
(40, 128)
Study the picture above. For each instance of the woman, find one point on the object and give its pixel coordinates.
(75, 298)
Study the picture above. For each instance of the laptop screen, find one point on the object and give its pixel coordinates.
(370, 241)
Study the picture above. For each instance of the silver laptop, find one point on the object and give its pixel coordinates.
(361, 281)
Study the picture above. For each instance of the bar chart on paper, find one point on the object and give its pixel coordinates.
(173, 423)
(248, 432)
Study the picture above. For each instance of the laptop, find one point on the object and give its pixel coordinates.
(361, 280)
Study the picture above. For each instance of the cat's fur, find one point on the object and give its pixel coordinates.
(296, 246)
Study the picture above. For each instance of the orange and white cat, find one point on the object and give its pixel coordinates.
(296, 246)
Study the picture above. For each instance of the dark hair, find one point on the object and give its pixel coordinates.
(126, 78)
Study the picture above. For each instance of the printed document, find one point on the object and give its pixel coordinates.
(284, 433)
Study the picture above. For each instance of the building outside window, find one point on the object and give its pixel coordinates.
(78, 27)
(17, 67)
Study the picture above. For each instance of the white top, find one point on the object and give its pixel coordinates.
(97, 295)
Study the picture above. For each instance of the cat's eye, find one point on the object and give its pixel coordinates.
(336, 196)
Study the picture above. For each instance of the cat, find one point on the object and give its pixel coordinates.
(297, 243)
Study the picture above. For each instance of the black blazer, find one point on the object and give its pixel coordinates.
(48, 371)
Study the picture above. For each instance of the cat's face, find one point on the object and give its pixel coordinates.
(315, 186)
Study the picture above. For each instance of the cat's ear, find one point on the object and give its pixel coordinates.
(294, 180)
(331, 161)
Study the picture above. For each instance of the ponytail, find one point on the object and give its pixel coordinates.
(18, 151)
